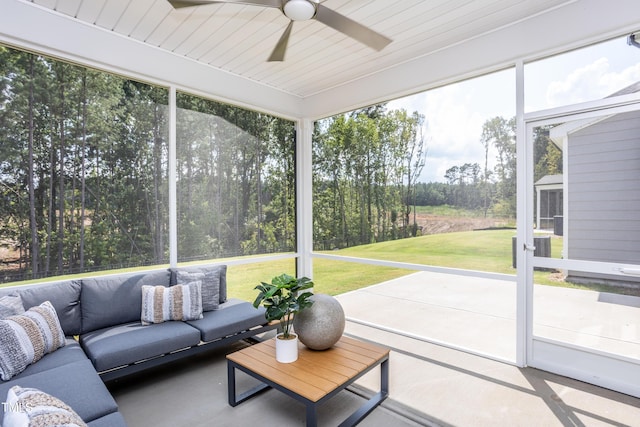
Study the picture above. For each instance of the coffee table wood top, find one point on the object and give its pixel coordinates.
(316, 373)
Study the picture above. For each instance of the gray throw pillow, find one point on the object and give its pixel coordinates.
(10, 305)
(210, 286)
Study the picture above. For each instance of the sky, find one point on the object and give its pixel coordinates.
(454, 114)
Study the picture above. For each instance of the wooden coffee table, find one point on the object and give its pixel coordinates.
(315, 377)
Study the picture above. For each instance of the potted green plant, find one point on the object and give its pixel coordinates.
(282, 299)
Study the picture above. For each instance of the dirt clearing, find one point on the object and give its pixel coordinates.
(434, 224)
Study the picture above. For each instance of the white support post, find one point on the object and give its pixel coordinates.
(304, 197)
(173, 210)
(523, 301)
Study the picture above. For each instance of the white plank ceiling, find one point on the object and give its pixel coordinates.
(238, 38)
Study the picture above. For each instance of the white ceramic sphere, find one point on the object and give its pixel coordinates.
(320, 326)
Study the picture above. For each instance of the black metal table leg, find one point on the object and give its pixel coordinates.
(384, 377)
(375, 400)
(235, 400)
(231, 384)
(312, 414)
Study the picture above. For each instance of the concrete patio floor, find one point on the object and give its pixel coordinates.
(480, 314)
(415, 313)
(430, 384)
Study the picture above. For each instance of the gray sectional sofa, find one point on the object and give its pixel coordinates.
(105, 338)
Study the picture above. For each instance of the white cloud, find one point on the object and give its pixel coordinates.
(593, 81)
(453, 128)
(454, 114)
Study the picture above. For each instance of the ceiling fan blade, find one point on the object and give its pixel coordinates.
(351, 28)
(179, 4)
(281, 46)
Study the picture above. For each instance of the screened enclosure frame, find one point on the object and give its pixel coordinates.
(595, 366)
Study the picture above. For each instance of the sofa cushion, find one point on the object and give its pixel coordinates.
(25, 338)
(221, 269)
(63, 295)
(179, 302)
(113, 300)
(232, 317)
(77, 384)
(71, 352)
(10, 305)
(210, 286)
(122, 345)
(113, 419)
(33, 407)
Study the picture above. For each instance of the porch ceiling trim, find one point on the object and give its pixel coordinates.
(33, 27)
(573, 24)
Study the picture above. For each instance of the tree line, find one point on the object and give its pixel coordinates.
(366, 169)
(236, 181)
(81, 160)
(84, 174)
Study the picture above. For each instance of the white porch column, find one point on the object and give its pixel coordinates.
(173, 210)
(524, 233)
(304, 205)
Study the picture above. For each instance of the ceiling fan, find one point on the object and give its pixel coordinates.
(303, 10)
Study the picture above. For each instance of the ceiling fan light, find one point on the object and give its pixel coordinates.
(299, 10)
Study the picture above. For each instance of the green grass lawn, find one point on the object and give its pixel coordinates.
(330, 277)
(472, 250)
(486, 250)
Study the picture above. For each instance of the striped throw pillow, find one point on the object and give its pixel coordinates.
(26, 338)
(32, 407)
(179, 302)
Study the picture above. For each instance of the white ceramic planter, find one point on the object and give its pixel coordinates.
(287, 350)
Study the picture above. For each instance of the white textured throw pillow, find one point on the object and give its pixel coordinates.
(26, 338)
(179, 302)
(26, 407)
